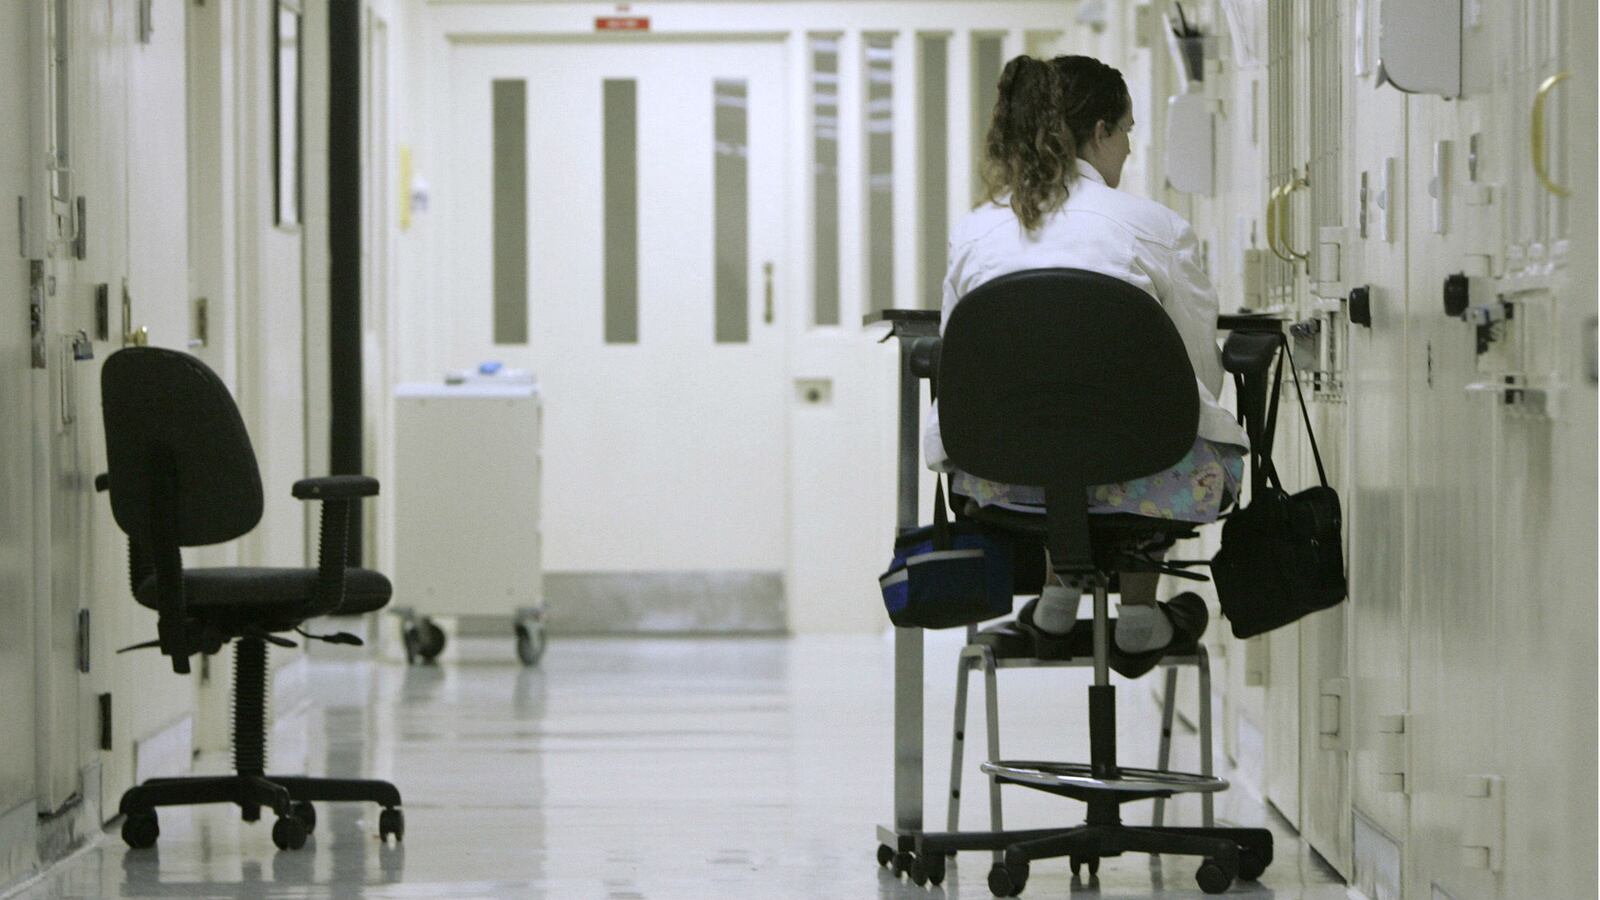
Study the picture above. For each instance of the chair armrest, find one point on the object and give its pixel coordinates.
(336, 487)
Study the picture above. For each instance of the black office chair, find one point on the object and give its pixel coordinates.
(182, 474)
(1066, 378)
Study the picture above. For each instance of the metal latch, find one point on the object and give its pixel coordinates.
(36, 299)
(83, 641)
(1333, 714)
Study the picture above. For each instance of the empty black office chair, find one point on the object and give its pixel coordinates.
(1066, 379)
(182, 474)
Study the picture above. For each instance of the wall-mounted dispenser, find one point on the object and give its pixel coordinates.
(1191, 144)
(1419, 46)
(1360, 306)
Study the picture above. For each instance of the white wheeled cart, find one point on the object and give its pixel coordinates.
(466, 488)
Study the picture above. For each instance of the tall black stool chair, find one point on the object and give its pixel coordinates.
(1066, 378)
(182, 474)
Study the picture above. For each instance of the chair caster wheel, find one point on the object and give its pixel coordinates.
(1213, 878)
(140, 830)
(289, 833)
(1252, 863)
(1078, 862)
(306, 813)
(392, 821)
(885, 854)
(1007, 881)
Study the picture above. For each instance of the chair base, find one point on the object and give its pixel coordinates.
(1228, 853)
(289, 797)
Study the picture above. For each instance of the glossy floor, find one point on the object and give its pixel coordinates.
(626, 769)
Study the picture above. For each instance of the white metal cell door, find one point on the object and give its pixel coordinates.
(617, 223)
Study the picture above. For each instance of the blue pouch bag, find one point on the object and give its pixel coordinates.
(948, 574)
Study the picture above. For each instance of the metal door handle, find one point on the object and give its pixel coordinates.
(766, 269)
(1537, 135)
(1286, 219)
(1272, 224)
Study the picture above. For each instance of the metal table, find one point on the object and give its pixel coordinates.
(908, 325)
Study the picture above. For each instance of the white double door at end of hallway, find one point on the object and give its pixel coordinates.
(654, 218)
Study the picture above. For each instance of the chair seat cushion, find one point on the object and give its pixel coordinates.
(268, 594)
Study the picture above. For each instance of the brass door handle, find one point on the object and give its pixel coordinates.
(1272, 224)
(1537, 136)
(1286, 222)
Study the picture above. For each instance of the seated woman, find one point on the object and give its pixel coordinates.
(1054, 158)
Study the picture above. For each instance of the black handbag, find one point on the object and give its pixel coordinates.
(1282, 557)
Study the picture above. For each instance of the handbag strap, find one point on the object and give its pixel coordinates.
(941, 517)
(1266, 474)
(1305, 414)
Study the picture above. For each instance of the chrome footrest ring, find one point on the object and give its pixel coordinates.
(1081, 775)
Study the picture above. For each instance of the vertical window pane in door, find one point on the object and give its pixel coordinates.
(621, 203)
(731, 186)
(510, 212)
(935, 167)
(880, 171)
(986, 67)
(825, 177)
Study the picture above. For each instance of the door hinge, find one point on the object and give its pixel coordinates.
(1483, 822)
(1393, 754)
(83, 641)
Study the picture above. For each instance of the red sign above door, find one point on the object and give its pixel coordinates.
(622, 23)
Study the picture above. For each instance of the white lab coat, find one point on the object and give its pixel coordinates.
(1103, 230)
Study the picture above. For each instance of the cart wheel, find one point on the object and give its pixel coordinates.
(430, 639)
(530, 643)
(902, 862)
(918, 871)
(140, 830)
(934, 864)
(885, 854)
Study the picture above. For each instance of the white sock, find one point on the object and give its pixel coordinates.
(1142, 628)
(1057, 610)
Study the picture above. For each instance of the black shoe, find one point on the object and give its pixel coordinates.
(1187, 613)
(1046, 644)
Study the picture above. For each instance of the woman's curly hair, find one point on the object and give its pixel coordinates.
(1045, 112)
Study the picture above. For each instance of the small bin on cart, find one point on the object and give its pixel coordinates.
(466, 488)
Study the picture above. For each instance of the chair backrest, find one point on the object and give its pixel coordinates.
(174, 436)
(1064, 378)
